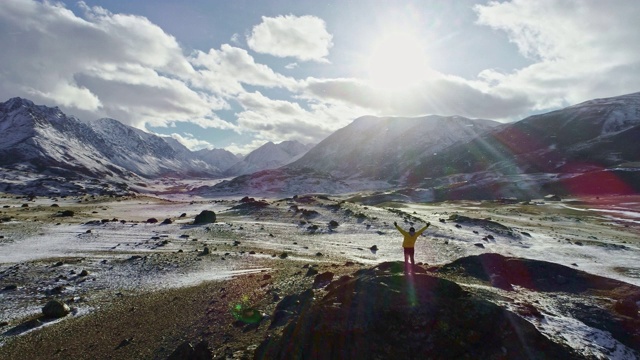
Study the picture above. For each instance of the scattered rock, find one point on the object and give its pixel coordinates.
(186, 351)
(311, 271)
(333, 224)
(152, 221)
(354, 320)
(67, 213)
(205, 217)
(552, 197)
(322, 280)
(83, 273)
(167, 222)
(480, 245)
(55, 309)
(627, 307)
(124, 343)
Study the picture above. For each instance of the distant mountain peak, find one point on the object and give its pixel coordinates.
(269, 156)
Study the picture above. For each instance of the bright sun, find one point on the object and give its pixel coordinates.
(397, 61)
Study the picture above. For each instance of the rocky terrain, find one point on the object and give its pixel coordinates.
(551, 278)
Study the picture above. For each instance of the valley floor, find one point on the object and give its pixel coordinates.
(137, 288)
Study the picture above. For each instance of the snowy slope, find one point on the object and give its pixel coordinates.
(382, 148)
(44, 139)
(147, 154)
(268, 156)
(220, 158)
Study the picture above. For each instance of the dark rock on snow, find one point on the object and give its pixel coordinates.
(205, 217)
(381, 314)
(55, 309)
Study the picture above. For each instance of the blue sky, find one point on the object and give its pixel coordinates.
(235, 74)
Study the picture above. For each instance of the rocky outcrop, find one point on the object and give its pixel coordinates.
(380, 313)
(205, 217)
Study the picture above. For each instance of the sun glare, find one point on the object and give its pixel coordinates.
(396, 61)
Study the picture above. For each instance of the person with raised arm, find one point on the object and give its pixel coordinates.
(408, 244)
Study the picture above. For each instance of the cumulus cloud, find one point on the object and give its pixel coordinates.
(302, 37)
(224, 71)
(246, 148)
(100, 65)
(278, 120)
(442, 95)
(191, 142)
(581, 49)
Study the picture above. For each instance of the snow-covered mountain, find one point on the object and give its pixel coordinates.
(45, 140)
(597, 134)
(268, 156)
(588, 148)
(220, 158)
(365, 155)
(386, 148)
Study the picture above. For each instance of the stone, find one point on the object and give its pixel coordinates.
(186, 351)
(322, 280)
(67, 213)
(311, 272)
(205, 217)
(55, 309)
(627, 307)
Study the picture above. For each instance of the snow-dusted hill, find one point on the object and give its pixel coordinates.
(220, 158)
(588, 148)
(268, 156)
(385, 148)
(46, 140)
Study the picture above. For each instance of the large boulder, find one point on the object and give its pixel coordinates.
(381, 313)
(205, 217)
(55, 309)
(186, 351)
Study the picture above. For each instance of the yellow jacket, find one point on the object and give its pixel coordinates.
(410, 240)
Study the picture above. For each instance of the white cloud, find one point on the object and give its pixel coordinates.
(102, 65)
(224, 71)
(279, 120)
(582, 49)
(245, 149)
(302, 37)
(191, 142)
(442, 95)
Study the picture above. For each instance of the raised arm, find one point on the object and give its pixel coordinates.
(423, 229)
(400, 229)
